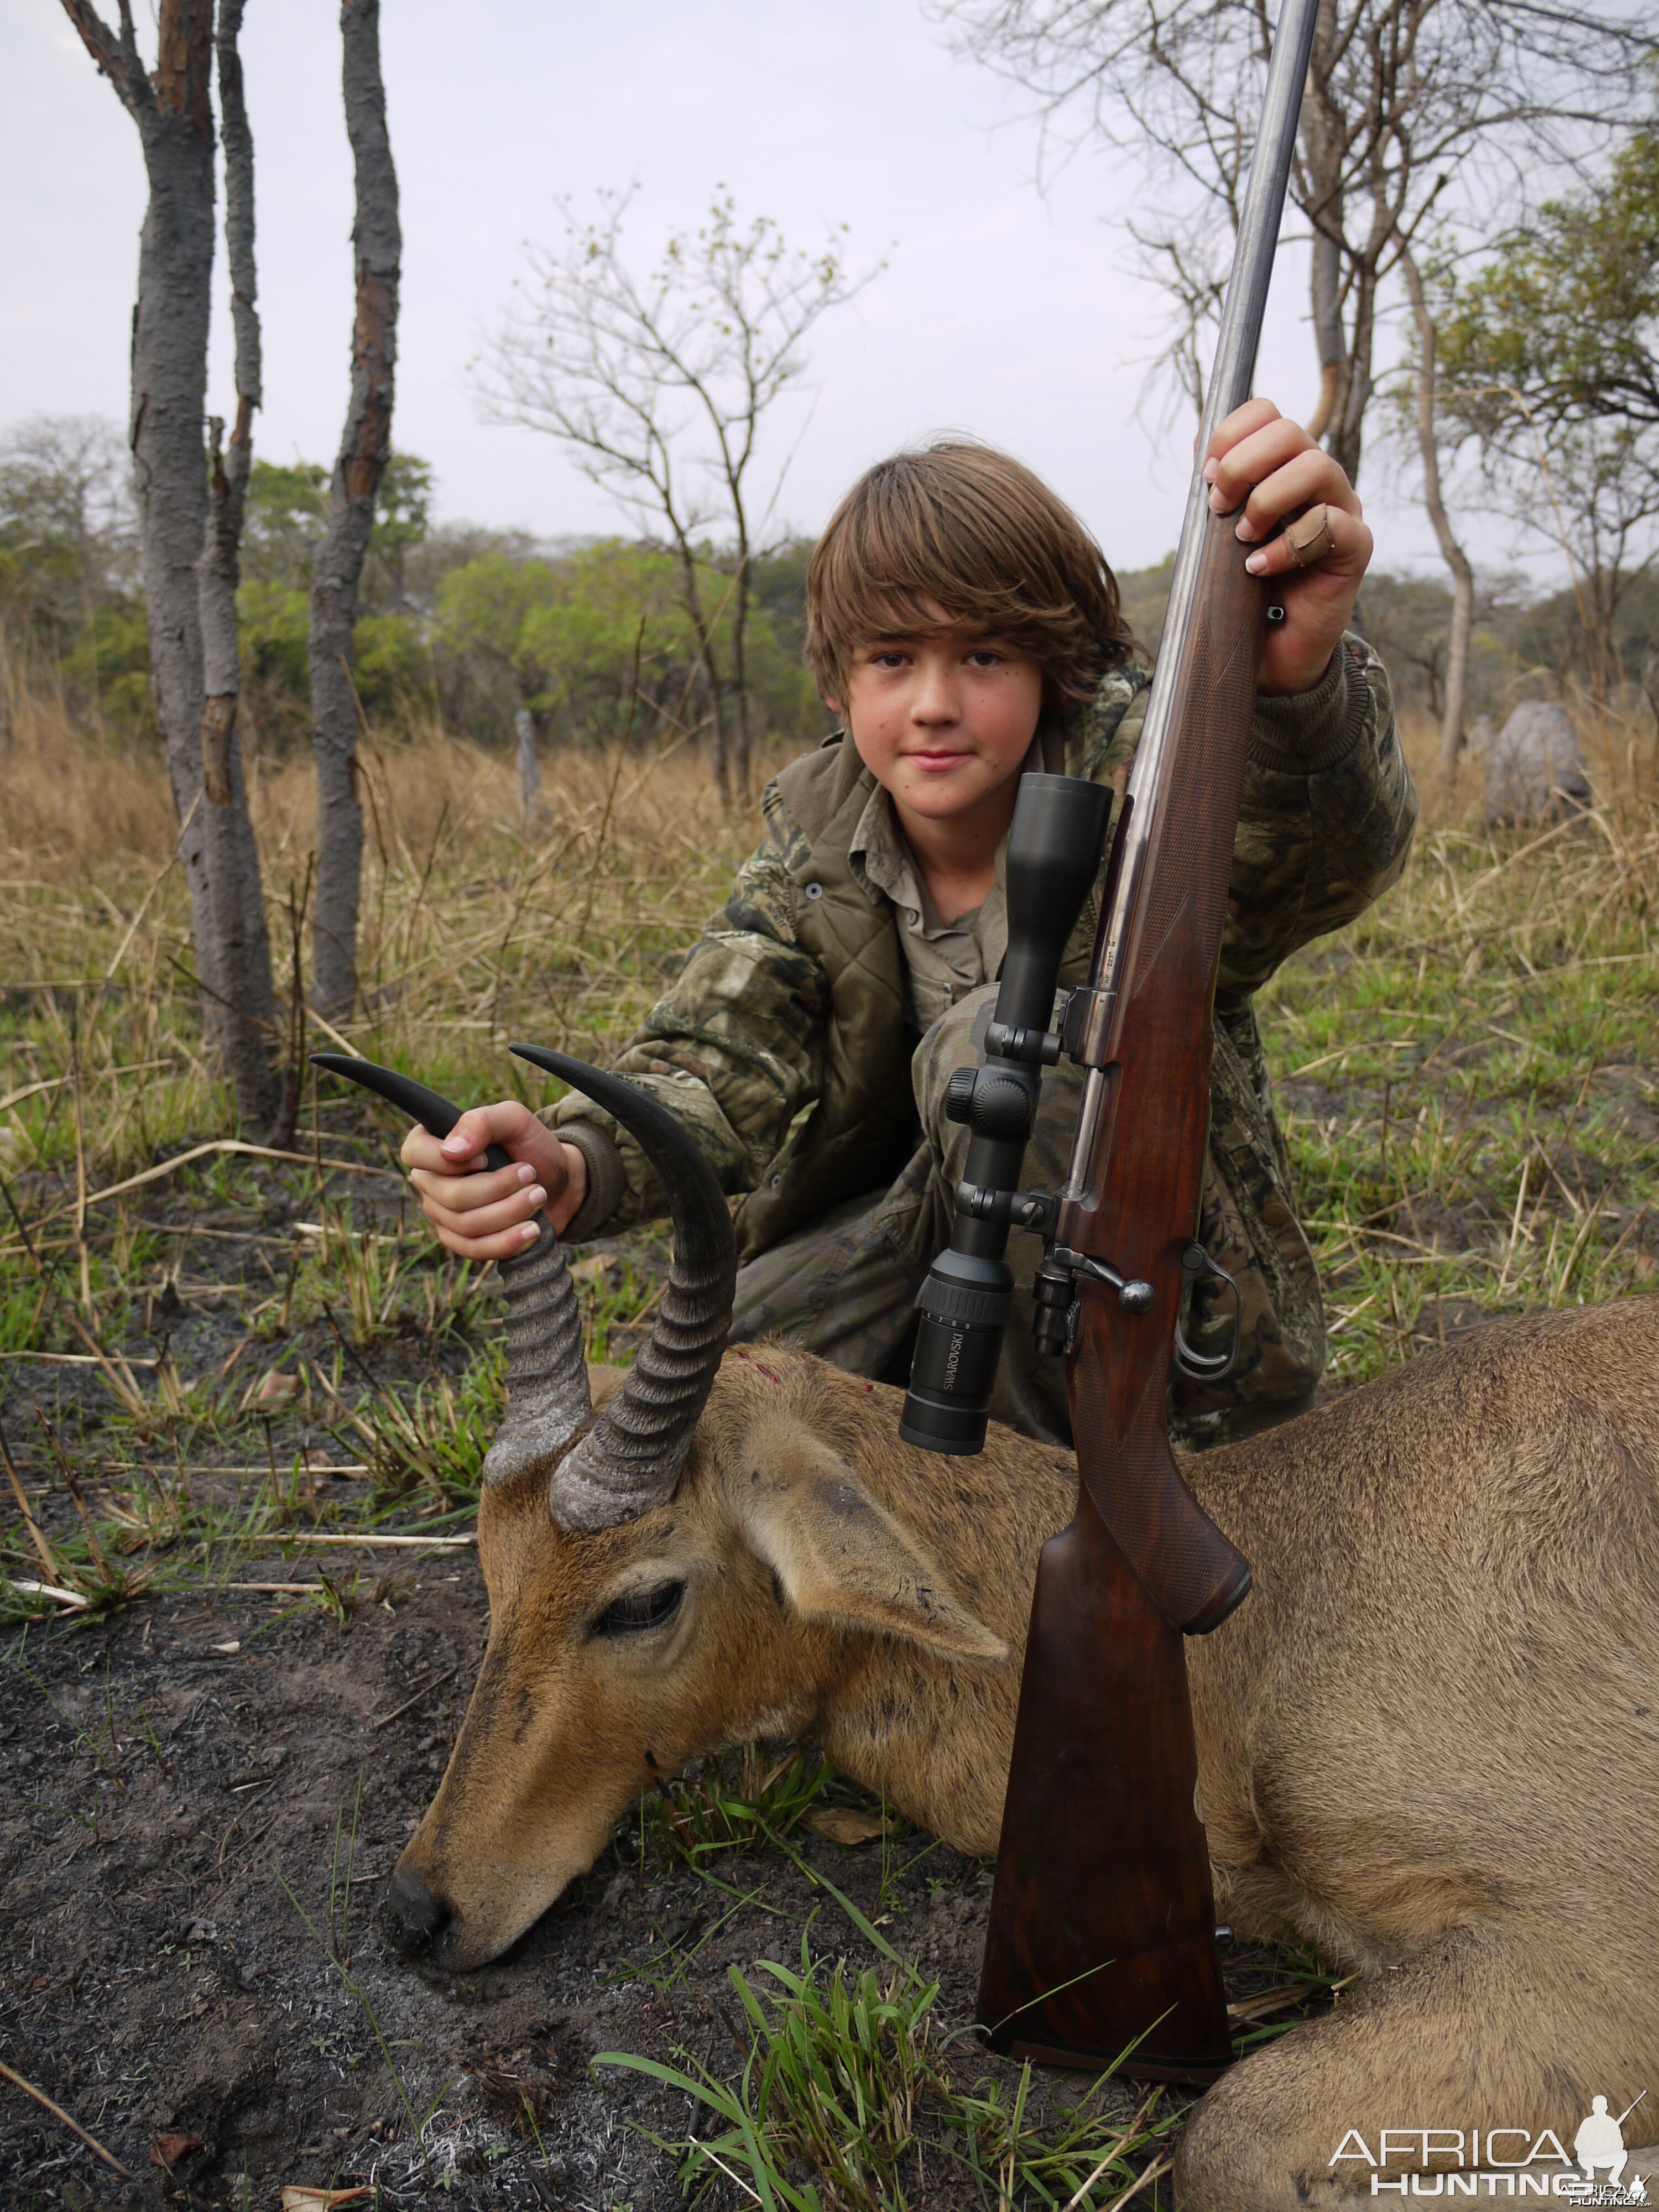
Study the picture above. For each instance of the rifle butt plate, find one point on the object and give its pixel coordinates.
(1199, 2072)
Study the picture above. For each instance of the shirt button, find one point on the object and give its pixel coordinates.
(914, 917)
(815, 891)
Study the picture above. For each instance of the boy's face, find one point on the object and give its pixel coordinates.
(943, 721)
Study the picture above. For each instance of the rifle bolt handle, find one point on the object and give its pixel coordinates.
(1133, 1295)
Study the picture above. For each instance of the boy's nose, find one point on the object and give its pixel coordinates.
(935, 699)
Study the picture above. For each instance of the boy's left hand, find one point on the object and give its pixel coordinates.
(1257, 456)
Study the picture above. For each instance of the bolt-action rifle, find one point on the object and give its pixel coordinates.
(1101, 1940)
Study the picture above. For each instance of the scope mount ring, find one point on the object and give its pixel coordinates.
(1205, 1366)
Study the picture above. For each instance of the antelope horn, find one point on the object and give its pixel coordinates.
(434, 1114)
(547, 1394)
(630, 1459)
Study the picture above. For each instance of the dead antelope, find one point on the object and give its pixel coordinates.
(1429, 1742)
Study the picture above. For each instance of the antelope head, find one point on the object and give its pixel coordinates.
(666, 1576)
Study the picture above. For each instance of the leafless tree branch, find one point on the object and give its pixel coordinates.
(1402, 94)
(658, 385)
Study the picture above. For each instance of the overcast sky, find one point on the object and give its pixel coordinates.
(1004, 310)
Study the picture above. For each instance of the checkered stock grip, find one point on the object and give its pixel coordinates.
(1147, 1170)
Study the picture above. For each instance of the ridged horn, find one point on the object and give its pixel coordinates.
(547, 1394)
(548, 1399)
(630, 1459)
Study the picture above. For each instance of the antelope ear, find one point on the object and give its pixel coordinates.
(839, 1556)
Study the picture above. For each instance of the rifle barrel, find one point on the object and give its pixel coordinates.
(1231, 377)
(1234, 367)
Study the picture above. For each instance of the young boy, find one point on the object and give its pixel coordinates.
(965, 626)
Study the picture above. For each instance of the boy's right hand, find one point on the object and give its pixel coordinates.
(491, 1215)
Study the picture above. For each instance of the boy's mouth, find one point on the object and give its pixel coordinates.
(936, 757)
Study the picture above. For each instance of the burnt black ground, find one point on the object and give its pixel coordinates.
(160, 1979)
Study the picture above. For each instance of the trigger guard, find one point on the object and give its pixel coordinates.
(1206, 1366)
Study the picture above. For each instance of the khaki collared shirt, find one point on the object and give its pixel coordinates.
(942, 959)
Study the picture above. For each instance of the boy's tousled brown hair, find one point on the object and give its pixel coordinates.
(959, 526)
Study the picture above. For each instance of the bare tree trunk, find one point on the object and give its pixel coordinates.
(720, 755)
(1345, 437)
(740, 597)
(1462, 574)
(377, 245)
(172, 111)
(248, 1008)
(530, 766)
(1329, 337)
(169, 389)
(1321, 154)
(718, 750)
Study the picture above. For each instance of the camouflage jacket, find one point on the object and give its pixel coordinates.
(782, 1044)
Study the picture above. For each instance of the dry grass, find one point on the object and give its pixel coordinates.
(1467, 1073)
(472, 931)
(1467, 1077)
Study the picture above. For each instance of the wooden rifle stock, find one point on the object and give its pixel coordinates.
(1100, 1947)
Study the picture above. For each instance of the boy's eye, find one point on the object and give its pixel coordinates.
(984, 656)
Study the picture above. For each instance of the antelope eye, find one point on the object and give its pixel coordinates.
(640, 1608)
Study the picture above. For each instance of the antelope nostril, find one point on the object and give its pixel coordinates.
(414, 1917)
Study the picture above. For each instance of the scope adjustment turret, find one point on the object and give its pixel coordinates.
(959, 1094)
(992, 1103)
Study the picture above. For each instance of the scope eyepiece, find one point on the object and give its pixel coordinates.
(963, 1306)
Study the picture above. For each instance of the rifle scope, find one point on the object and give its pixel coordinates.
(1053, 854)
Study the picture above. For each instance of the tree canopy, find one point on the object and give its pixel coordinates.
(467, 625)
(1417, 109)
(659, 381)
(1549, 355)
(1563, 322)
